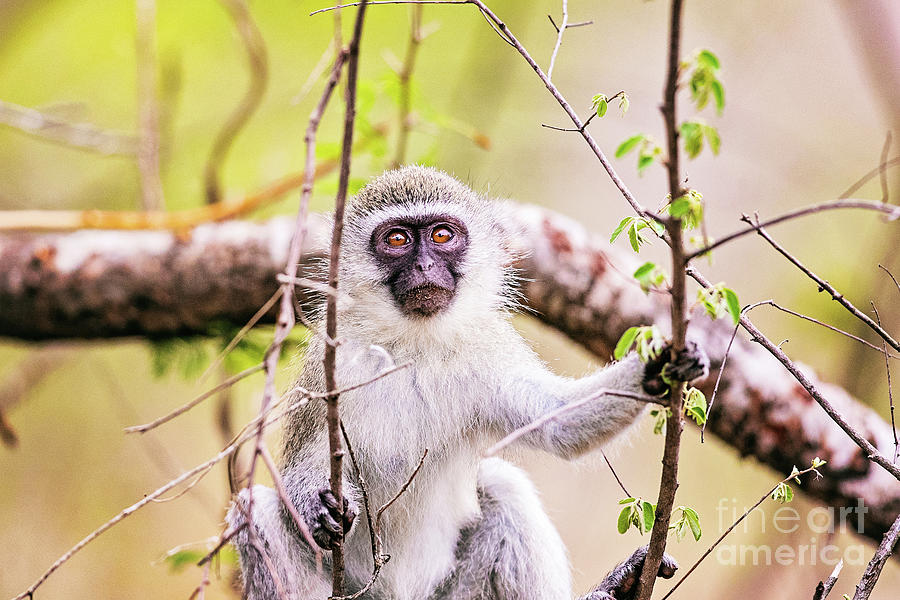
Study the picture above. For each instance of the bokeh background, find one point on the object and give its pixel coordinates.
(812, 89)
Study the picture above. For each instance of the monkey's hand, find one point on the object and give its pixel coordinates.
(323, 516)
(691, 363)
(621, 582)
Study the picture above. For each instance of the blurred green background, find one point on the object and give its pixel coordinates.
(807, 112)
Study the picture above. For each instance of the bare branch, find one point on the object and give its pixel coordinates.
(559, 35)
(78, 135)
(892, 212)
(887, 367)
(404, 105)
(873, 569)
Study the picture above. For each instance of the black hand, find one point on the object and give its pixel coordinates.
(325, 528)
(689, 364)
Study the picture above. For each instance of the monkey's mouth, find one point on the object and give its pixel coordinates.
(425, 300)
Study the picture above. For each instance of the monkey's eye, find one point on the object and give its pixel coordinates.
(397, 237)
(441, 235)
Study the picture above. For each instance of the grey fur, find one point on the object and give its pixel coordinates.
(466, 528)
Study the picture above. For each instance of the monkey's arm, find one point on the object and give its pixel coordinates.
(528, 390)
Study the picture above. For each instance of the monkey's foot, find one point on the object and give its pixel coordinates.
(621, 582)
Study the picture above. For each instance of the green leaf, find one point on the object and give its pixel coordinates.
(734, 307)
(680, 207)
(624, 103)
(621, 227)
(692, 133)
(624, 519)
(602, 107)
(708, 59)
(644, 161)
(649, 514)
(629, 145)
(625, 342)
(626, 500)
(644, 270)
(177, 561)
(719, 94)
(634, 238)
(712, 137)
(693, 520)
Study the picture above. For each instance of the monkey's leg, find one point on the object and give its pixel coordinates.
(289, 556)
(512, 552)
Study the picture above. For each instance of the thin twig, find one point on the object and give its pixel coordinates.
(731, 528)
(832, 328)
(891, 275)
(715, 391)
(330, 362)
(258, 65)
(827, 287)
(400, 492)
(616, 475)
(882, 169)
(873, 569)
(892, 212)
(559, 36)
(887, 367)
(186, 407)
(78, 135)
(148, 105)
(565, 408)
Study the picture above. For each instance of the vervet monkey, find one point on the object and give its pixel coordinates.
(426, 275)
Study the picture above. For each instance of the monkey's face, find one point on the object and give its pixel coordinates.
(422, 256)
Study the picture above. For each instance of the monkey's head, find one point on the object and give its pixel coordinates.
(421, 247)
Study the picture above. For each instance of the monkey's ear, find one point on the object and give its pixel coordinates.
(509, 232)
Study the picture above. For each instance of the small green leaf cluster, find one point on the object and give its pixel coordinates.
(634, 226)
(647, 340)
(638, 513)
(782, 493)
(648, 150)
(720, 300)
(688, 208)
(694, 131)
(650, 275)
(695, 405)
(704, 83)
(689, 521)
(600, 103)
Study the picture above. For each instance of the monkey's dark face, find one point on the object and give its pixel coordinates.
(422, 256)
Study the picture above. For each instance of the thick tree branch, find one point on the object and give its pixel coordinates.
(107, 285)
